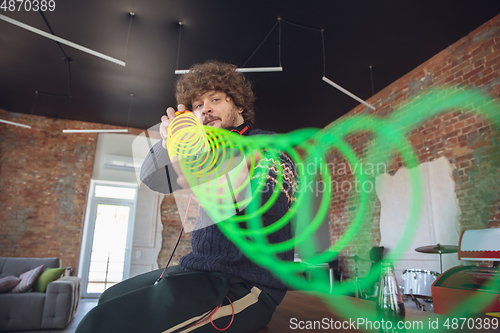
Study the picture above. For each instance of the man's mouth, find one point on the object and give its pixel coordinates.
(209, 121)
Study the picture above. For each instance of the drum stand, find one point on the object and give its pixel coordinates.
(419, 305)
(359, 291)
(357, 281)
(441, 259)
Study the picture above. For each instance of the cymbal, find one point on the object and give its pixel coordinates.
(437, 249)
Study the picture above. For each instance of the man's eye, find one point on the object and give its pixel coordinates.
(216, 99)
(197, 106)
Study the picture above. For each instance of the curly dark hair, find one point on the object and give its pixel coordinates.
(217, 76)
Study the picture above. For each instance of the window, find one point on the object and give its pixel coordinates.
(107, 237)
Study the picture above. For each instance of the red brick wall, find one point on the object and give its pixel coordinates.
(44, 181)
(469, 142)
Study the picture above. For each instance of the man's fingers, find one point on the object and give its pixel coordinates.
(171, 113)
(164, 126)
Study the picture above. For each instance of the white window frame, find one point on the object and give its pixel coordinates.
(89, 226)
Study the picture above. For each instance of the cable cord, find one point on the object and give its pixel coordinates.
(176, 244)
(66, 59)
(258, 47)
(232, 317)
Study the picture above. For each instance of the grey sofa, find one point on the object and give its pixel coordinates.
(34, 310)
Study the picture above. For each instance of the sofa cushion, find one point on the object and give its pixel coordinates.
(17, 266)
(21, 311)
(8, 282)
(47, 276)
(28, 279)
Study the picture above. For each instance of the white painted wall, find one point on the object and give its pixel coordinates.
(114, 144)
(438, 218)
(148, 232)
(148, 228)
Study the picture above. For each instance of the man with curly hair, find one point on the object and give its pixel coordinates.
(213, 77)
(215, 287)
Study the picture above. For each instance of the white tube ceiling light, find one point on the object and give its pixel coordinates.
(348, 93)
(243, 70)
(95, 130)
(13, 123)
(61, 40)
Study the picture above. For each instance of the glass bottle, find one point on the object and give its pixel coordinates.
(390, 306)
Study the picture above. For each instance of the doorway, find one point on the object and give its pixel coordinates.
(108, 234)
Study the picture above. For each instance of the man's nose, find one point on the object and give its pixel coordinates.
(207, 109)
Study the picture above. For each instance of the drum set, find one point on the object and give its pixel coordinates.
(418, 282)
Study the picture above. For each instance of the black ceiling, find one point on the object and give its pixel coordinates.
(392, 36)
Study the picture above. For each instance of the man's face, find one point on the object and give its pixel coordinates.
(218, 110)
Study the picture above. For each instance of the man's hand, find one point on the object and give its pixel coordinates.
(166, 119)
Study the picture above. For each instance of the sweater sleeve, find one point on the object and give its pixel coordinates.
(157, 171)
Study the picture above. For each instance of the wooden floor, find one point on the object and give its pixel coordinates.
(296, 305)
(299, 308)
